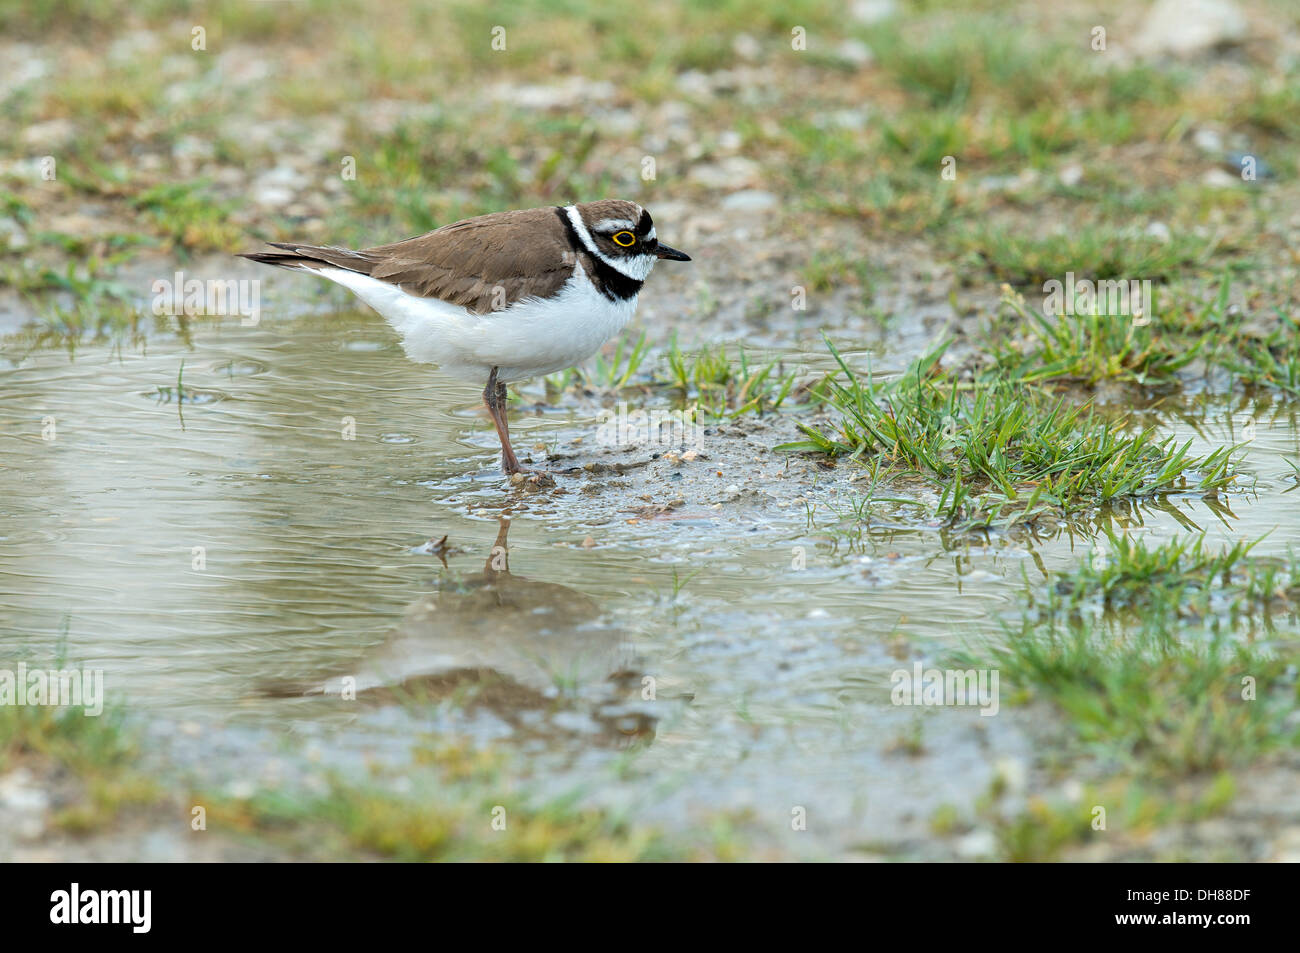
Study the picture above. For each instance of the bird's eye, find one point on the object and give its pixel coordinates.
(624, 239)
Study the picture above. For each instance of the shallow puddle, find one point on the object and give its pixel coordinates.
(235, 539)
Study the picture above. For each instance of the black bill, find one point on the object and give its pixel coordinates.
(665, 251)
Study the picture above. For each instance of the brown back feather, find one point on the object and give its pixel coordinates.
(522, 253)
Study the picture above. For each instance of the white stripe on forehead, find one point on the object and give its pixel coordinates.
(637, 267)
(579, 226)
(613, 225)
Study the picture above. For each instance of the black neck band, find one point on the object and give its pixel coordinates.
(609, 281)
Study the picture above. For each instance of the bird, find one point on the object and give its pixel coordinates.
(502, 297)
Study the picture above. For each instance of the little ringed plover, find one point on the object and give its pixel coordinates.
(502, 297)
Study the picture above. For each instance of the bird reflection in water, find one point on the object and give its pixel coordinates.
(536, 654)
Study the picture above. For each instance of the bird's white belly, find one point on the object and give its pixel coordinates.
(533, 336)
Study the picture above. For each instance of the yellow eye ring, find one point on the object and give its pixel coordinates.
(619, 236)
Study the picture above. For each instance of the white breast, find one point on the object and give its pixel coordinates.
(533, 336)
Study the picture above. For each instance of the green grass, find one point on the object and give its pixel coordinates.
(826, 271)
(1201, 580)
(979, 91)
(1154, 693)
(1025, 344)
(1256, 348)
(1272, 360)
(189, 216)
(430, 172)
(722, 386)
(66, 735)
(354, 818)
(1047, 827)
(717, 383)
(1141, 649)
(1022, 257)
(944, 62)
(956, 62)
(975, 88)
(460, 788)
(92, 758)
(1274, 108)
(926, 137)
(1090, 346)
(87, 280)
(1002, 451)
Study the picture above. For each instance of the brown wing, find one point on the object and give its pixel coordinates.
(481, 264)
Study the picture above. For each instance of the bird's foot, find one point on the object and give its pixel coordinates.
(532, 479)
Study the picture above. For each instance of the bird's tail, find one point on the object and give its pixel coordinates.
(313, 257)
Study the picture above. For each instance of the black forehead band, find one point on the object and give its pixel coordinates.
(645, 223)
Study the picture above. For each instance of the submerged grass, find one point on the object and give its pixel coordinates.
(1132, 573)
(1198, 580)
(718, 384)
(1003, 451)
(723, 387)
